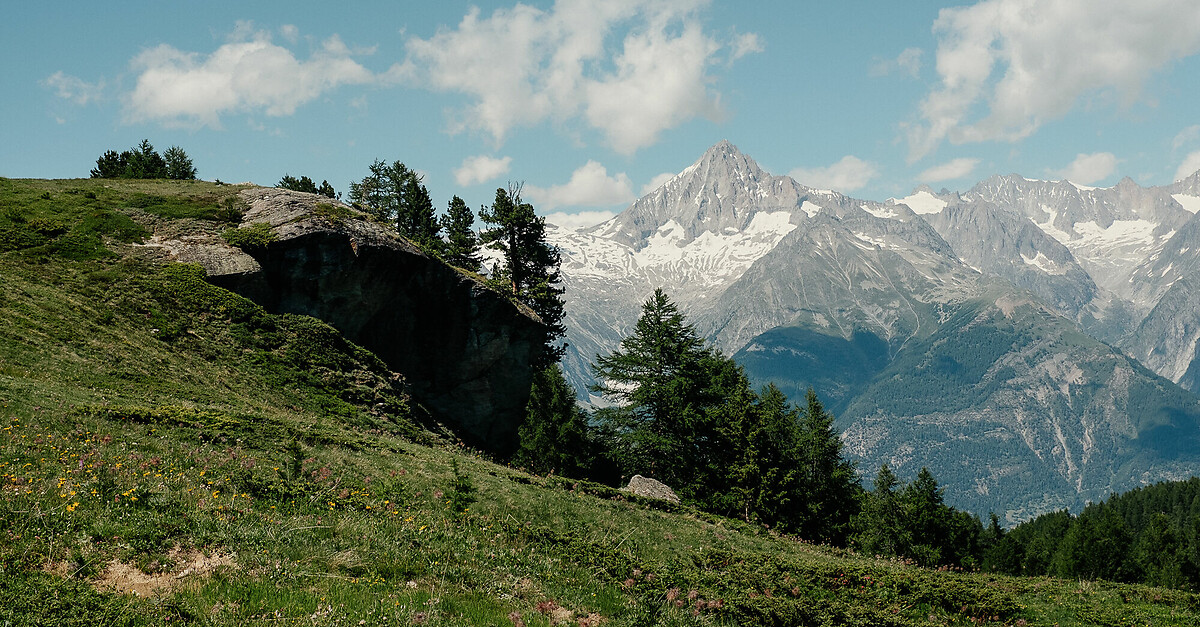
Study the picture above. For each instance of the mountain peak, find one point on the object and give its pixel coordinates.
(720, 191)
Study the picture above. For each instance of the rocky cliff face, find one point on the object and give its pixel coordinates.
(464, 350)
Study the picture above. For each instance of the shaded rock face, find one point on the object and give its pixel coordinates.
(464, 350)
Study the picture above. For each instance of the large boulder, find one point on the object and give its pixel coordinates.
(465, 350)
(651, 488)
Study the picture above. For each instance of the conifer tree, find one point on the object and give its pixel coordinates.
(555, 436)
(327, 190)
(829, 481)
(653, 379)
(879, 524)
(416, 218)
(178, 164)
(530, 268)
(462, 243)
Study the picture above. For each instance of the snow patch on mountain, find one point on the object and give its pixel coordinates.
(922, 202)
(1188, 202)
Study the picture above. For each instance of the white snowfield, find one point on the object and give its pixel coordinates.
(922, 202)
(1189, 203)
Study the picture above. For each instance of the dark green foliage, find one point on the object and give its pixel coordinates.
(302, 184)
(654, 380)
(530, 269)
(461, 248)
(179, 165)
(462, 490)
(143, 162)
(416, 219)
(555, 437)
(305, 184)
(394, 193)
(880, 523)
(327, 190)
(252, 238)
(686, 415)
(1149, 535)
(109, 166)
(830, 482)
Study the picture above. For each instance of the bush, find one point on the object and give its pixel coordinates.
(253, 238)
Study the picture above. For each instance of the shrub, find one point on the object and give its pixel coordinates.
(253, 238)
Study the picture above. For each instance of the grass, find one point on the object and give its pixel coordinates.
(162, 435)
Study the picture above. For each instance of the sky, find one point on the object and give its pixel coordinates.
(592, 103)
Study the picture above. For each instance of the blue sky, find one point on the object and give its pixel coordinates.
(590, 102)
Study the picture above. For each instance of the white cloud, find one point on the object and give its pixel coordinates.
(907, 62)
(657, 182)
(744, 44)
(1087, 169)
(248, 75)
(1025, 62)
(522, 66)
(579, 220)
(590, 186)
(953, 169)
(1190, 164)
(1186, 136)
(481, 168)
(848, 174)
(74, 89)
(290, 32)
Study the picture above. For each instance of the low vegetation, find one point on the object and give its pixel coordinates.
(172, 454)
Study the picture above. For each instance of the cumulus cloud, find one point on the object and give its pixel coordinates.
(1190, 164)
(848, 174)
(1087, 169)
(481, 168)
(1186, 136)
(579, 220)
(590, 186)
(949, 171)
(248, 74)
(657, 182)
(907, 62)
(522, 65)
(1024, 62)
(74, 89)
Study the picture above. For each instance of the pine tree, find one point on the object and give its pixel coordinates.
(555, 436)
(829, 481)
(653, 379)
(530, 268)
(109, 166)
(302, 184)
(415, 218)
(326, 190)
(879, 525)
(178, 165)
(145, 163)
(462, 244)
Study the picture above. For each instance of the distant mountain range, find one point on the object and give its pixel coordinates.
(1034, 343)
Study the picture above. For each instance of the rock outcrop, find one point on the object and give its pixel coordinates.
(464, 349)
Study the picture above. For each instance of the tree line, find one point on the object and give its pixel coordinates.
(143, 162)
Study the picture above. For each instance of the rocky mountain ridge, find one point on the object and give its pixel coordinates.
(811, 287)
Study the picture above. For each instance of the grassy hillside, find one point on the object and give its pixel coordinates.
(170, 453)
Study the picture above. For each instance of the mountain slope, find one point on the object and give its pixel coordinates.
(975, 301)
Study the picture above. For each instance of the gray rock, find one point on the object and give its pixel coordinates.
(464, 349)
(651, 488)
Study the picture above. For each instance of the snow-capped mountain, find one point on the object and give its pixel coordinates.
(942, 328)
